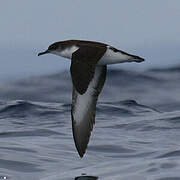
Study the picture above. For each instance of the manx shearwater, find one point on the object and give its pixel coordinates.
(89, 62)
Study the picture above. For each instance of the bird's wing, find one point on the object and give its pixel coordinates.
(83, 65)
(84, 109)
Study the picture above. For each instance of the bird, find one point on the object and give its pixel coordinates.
(89, 60)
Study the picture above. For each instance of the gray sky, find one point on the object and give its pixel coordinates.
(146, 28)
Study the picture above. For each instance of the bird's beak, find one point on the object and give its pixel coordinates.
(41, 53)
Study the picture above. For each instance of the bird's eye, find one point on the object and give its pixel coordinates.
(53, 46)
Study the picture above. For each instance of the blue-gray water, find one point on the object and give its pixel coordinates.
(136, 135)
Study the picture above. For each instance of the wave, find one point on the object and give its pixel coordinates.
(28, 108)
(25, 108)
(157, 88)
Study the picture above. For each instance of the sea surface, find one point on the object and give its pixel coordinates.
(136, 135)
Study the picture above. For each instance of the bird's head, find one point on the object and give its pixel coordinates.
(53, 49)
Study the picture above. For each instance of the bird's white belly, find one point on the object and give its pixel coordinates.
(111, 57)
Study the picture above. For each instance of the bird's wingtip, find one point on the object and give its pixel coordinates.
(81, 155)
(81, 151)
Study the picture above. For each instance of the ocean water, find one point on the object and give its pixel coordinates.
(136, 135)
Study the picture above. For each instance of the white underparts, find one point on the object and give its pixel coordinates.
(111, 57)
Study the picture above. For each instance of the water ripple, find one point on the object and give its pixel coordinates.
(136, 134)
